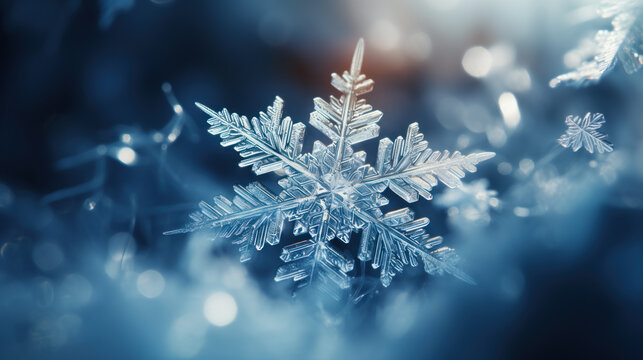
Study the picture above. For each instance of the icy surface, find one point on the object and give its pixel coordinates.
(332, 192)
(584, 133)
(623, 43)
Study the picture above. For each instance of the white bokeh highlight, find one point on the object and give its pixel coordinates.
(220, 309)
(150, 283)
(477, 61)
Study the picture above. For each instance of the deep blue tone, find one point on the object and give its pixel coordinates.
(558, 263)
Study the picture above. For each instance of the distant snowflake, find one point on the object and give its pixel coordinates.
(623, 43)
(332, 192)
(584, 132)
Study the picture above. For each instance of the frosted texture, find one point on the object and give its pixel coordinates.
(332, 192)
(584, 133)
(623, 43)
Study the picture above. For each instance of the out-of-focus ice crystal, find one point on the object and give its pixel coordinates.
(623, 43)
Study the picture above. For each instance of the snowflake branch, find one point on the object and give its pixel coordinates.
(349, 100)
(410, 168)
(307, 258)
(422, 250)
(456, 160)
(268, 143)
(347, 120)
(225, 212)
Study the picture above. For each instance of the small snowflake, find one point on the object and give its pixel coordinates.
(332, 192)
(584, 132)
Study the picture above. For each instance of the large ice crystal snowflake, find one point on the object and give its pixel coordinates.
(623, 43)
(332, 192)
(584, 133)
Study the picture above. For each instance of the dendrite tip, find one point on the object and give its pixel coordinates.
(358, 56)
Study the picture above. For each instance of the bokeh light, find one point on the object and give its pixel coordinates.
(47, 256)
(126, 155)
(150, 283)
(220, 309)
(509, 109)
(385, 35)
(477, 61)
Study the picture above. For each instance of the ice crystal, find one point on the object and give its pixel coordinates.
(584, 132)
(623, 43)
(132, 144)
(332, 192)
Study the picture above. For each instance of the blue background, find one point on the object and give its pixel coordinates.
(564, 280)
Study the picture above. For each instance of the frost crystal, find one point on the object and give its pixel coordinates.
(623, 43)
(132, 144)
(583, 132)
(332, 192)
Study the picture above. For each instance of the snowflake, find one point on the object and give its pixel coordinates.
(584, 133)
(332, 192)
(624, 43)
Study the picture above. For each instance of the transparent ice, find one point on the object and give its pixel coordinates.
(132, 144)
(623, 43)
(332, 192)
(584, 133)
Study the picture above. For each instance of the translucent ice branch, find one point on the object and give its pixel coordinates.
(267, 143)
(409, 167)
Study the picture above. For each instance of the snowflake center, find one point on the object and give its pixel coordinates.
(339, 185)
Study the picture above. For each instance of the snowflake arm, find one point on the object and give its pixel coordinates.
(316, 259)
(584, 133)
(347, 121)
(397, 239)
(254, 217)
(409, 167)
(268, 143)
(623, 43)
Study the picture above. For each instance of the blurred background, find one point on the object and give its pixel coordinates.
(103, 151)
